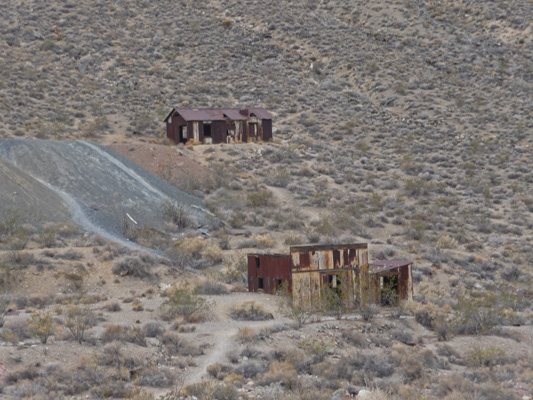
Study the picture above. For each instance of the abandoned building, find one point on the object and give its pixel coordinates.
(219, 125)
(308, 270)
(392, 280)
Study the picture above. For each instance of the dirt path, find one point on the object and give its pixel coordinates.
(221, 334)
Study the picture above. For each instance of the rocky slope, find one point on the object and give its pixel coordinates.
(102, 189)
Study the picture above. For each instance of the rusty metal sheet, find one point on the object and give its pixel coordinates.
(267, 272)
(385, 265)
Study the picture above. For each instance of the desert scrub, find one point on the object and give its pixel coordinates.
(79, 321)
(260, 198)
(236, 269)
(250, 311)
(174, 345)
(282, 372)
(42, 325)
(281, 178)
(197, 252)
(211, 389)
(489, 357)
(176, 214)
(137, 266)
(246, 335)
(183, 302)
(211, 288)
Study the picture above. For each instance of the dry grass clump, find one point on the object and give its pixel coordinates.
(258, 241)
(246, 335)
(211, 287)
(196, 252)
(175, 345)
(250, 311)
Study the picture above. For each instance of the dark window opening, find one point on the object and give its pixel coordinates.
(257, 263)
(207, 130)
(334, 284)
(183, 134)
(389, 290)
(260, 284)
(279, 284)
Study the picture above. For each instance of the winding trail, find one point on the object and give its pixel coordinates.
(221, 334)
(80, 218)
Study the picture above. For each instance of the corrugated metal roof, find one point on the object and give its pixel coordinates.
(217, 114)
(385, 265)
(199, 114)
(260, 113)
(234, 114)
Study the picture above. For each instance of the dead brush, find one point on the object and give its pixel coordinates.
(250, 311)
(246, 335)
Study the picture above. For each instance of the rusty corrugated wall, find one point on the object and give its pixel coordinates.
(267, 272)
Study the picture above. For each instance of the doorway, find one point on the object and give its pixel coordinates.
(389, 290)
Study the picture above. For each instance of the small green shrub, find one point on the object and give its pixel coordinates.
(183, 302)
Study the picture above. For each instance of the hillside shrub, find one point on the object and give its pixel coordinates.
(79, 321)
(133, 266)
(250, 311)
(176, 214)
(211, 288)
(42, 325)
(183, 302)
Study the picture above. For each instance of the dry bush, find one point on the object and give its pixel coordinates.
(409, 363)
(78, 321)
(175, 213)
(174, 345)
(42, 325)
(282, 372)
(211, 288)
(250, 369)
(197, 252)
(137, 266)
(250, 311)
(157, 377)
(183, 302)
(361, 366)
(113, 333)
(354, 338)
(261, 241)
(113, 307)
(113, 356)
(246, 335)
(153, 329)
(489, 357)
(219, 371)
(210, 389)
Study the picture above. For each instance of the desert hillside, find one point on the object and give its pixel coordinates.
(403, 124)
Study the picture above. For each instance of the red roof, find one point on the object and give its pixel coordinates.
(220, 114)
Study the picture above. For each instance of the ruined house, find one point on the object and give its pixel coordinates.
(392, 280)
(219, 125)
(307, 271)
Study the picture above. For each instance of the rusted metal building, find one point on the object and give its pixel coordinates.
(268, 272)
(391, 280)
(342, 268)
(309, 270)
(219, 125)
